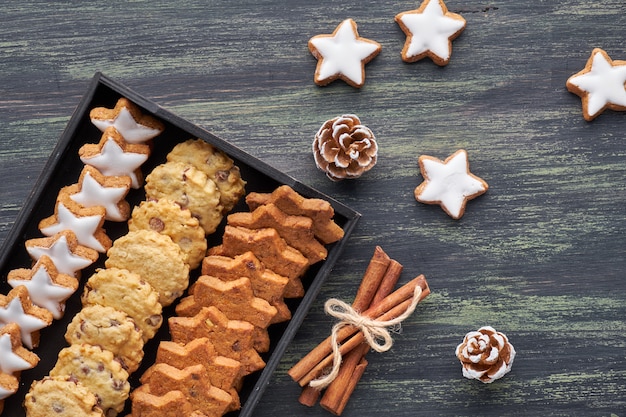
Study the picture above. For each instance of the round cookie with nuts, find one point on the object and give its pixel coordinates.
(111, 329)
(61, 395)
(127, 292)
(218, 166)
(155, 258)
(168, 218)
(97, 370)
(190, 188)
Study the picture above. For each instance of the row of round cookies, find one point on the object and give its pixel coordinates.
(74, 236)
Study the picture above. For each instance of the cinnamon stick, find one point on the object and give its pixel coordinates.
(368, 289)
(337, 393)
(309, 396)
(384, 310)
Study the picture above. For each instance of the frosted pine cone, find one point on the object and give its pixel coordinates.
(344, 148)
(486, 355)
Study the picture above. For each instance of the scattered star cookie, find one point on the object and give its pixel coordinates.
(342, 55)
(113, 156)
(68, 255)
(429, 31)
(46, 286)
(127, 118)
(449, 183)
(94, 189)
(601, 85)
(17, 307)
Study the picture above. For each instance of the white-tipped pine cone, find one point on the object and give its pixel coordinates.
(344, 148)
(485, 354)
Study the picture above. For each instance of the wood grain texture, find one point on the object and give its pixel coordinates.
(541, 256)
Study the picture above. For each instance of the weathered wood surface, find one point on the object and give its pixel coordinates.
(540, 257)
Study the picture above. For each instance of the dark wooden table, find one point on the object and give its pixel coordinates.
(540, 257)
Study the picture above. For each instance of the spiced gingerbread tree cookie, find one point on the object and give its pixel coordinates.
(342, 55)
(601, 85)
(449, 183)
(430, 30)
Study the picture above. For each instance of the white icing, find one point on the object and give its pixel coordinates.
(14, 313)
(431, 30)
(113, 161)
(131, 131)
(64, 259)
(9, 361)
(449, 184)
(93, 194)
(4, 393)
(343, 53)
(604, 83)
(44, 292)
(84, 227)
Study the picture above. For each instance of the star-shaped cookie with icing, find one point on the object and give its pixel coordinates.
(448, 183)
(342, 55)
(85, 222)
(68, 255)
(14, 358)
(113, 156)
(429, 31)
(95, 189)
(17, 307)
(46, 286)
(127, 118)
(601, 85)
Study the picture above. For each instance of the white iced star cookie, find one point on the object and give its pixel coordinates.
(342, 55)
(14, 358)
(127, 118)
(85, 222)
(94, 189)
(69, 257)
(448, 183)
(429, 31)
(46, 286)
(113, 156)
(601, 85)
(17, 307)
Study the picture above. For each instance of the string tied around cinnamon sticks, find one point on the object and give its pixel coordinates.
(376, 332)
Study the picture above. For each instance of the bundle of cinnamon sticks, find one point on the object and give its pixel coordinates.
(375, 300)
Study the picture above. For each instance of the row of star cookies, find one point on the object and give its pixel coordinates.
(145, 270)
(239, 295)
(75, 236)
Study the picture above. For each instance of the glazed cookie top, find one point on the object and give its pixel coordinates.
(342, 55)
(601, 84)
(17, 307)
(449, 183)
(46, 286)
(430, 30)
(113, 156)
(127, 119)
(69, 256)
(13, 356)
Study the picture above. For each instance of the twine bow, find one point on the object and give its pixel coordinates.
(376, 332)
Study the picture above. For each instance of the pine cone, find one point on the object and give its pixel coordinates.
(486, 355)
(344, 148)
